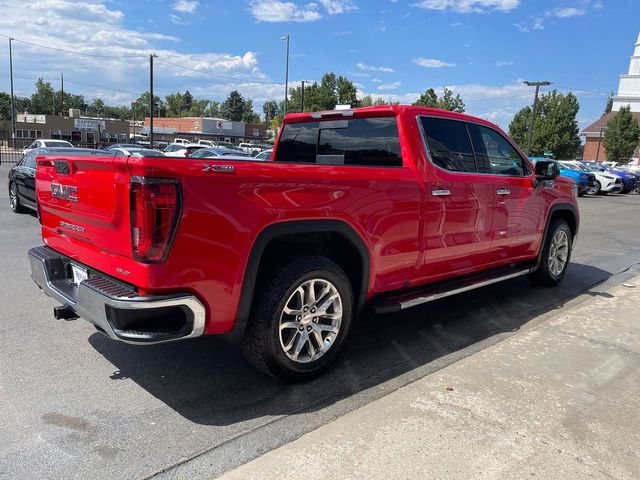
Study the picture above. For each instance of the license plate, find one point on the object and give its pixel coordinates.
(78, 274)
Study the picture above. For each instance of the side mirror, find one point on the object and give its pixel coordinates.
(547, 170)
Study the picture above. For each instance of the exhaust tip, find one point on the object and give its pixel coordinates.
(64, 312)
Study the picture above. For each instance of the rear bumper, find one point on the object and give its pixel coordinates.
(115, 308)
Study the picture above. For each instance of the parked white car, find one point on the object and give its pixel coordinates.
(47, 143)
(182, 141)
(264, 155)
(606, 182)
(207, 143)
(181, 150)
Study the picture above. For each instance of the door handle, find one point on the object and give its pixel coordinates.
(440, 193)
(503, 191)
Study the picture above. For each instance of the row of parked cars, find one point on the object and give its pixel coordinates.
(596, 178)
(22, 195)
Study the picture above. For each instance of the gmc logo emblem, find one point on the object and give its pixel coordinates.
(64, 192)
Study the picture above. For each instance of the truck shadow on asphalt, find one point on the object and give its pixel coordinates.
(210, 383)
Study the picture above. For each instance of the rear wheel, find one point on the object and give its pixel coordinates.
(556, 253)
(14, 200)
(594, 189)
(300, 319)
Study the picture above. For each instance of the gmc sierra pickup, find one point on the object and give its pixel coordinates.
(387, 207)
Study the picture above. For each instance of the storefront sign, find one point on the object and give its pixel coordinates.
(88, 124)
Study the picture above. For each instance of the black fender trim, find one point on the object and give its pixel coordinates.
(288, 228)
(558, 207)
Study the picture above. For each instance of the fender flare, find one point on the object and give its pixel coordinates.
(558, 207)
(295, 227)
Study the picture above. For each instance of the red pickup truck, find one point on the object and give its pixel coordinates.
(388, 207)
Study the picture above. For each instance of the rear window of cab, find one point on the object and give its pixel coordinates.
(357, 142)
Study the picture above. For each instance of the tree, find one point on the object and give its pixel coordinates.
(174, 104)
(270, 110)
(325, 95)
(609, 106)
(213, 109)
(141, 106)
(96, 107)
(555, 128)
(233, 108)
(622, 136)
(249, 116)
(42, 100)
(447, 102)
(187, 101)
(5, 106)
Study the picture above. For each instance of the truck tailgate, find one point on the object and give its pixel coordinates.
(85, 200)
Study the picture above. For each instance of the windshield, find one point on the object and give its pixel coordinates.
(568, 166)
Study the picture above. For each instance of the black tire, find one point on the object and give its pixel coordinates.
(595, 190)
(14, 199)
(544, 276)
(262, 342)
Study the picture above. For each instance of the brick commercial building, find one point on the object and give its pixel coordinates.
(628, 94)
(74, 128)
(165, 129)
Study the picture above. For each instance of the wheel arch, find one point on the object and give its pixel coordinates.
(315, 235)
(564, 211)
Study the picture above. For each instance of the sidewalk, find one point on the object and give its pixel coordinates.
(559, 401)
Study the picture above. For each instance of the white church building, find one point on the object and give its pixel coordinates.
(628, 95)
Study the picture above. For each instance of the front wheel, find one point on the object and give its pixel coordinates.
(594, 189)
(300, 319)
(556, 253)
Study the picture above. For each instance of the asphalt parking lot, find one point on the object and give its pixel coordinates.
(77, 405)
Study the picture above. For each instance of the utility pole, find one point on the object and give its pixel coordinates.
(286, 75)
(302, 97)
(62, 94)
(151, 102)
(535, 105)
(13, 112)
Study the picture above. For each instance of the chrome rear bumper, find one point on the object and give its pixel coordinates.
(115, 308)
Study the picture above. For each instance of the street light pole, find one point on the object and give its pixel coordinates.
(13, 113)
(286, 75)
(599, 142)
(535, 105)
(151, 106)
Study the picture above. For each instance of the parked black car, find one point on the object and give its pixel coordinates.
(22, 177)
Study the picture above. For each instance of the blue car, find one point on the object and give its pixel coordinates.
(629, 180)
(584, 180)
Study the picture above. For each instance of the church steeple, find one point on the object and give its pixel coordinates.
(629, 86)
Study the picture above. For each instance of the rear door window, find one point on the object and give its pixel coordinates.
(449, 144)
(357, 142)
(30, 160)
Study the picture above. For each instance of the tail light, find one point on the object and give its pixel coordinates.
(155, 210)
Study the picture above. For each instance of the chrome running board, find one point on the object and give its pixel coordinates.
(403, 300)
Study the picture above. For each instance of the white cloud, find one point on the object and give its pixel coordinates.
(376, 80)
(432, 63)
(178, 20)
(275, 11)
(389, 86)
(119, 72)
(186, 6)
(504, 63)
(334, 7)
(469, 6)
(566, 12)
(373, 68)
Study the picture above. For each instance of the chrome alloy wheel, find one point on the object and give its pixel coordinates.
(13, 196)
(558, 253)
(310, 320)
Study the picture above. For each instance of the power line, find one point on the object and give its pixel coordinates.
(71, 51)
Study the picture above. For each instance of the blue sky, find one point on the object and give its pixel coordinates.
(395, 49)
